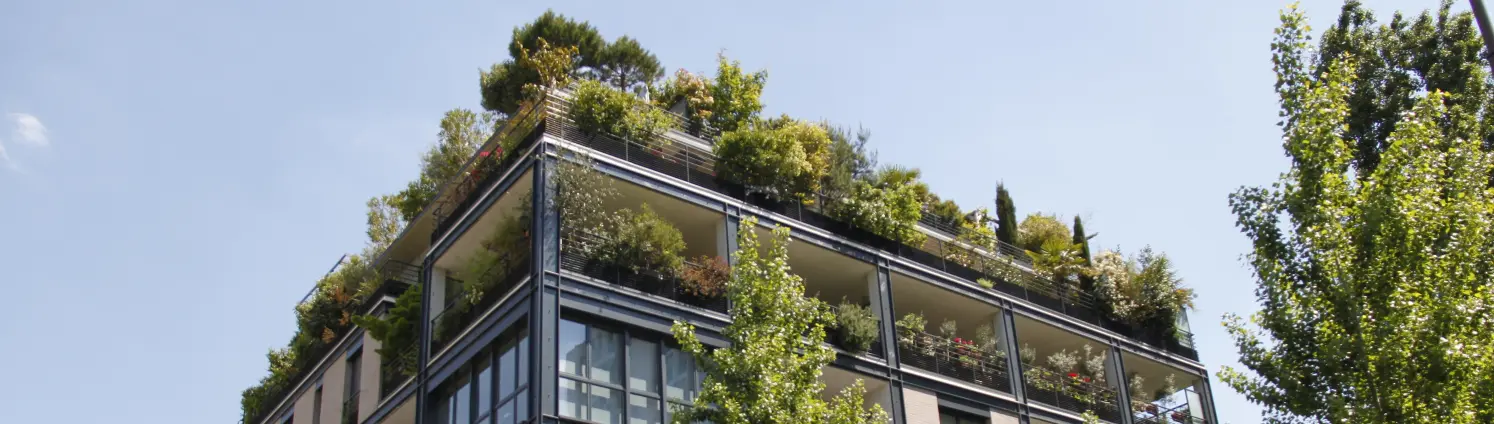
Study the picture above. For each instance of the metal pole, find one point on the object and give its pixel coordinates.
(1482, 16)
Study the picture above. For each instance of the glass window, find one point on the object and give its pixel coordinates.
(507, 371)
(680, 376)
(571, 399)
(606, 347)
(484, 385)
(572, 348)
(606, 405)
(523, 373)
(643, 365)
(506, 413)
(521, 405)
(954, 417)
(644, 410)
(460, 402)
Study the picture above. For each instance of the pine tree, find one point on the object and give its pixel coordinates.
(1006, 216)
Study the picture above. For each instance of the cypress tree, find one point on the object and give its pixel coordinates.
(1006, 216)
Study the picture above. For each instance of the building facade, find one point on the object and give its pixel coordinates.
(554, 338)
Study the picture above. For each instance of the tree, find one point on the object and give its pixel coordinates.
(1375, 289)
(503, 84)
(626, 65)
(462, 133)
(784, 158)
(770, 373)
(385, 222)
(1039, 229)
(397, 330)
(1081, 239)
(735, 95)
(1006, 216)
(1397, 60)
(850, 158)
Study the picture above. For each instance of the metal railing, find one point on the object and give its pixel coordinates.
(396, 371)
(1071, 392)
(956, 358)
(1148, 413)
(577, 255)
(496, 283)
(490, 163)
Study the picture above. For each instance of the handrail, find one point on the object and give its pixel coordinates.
(957, 358)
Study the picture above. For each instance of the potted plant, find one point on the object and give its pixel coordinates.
(857, 327)
(706, 277)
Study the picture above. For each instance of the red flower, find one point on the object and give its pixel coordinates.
(1086, 379)
(959, 340)
(1073, 375)
(483, 153)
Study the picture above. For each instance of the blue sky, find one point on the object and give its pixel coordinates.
(176, 174)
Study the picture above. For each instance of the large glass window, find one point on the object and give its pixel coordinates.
(493, 388)
(614, 376)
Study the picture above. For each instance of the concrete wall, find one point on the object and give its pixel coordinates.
(922, 407)
(332, 381)
(305, 405)
(998, 417)
(368, 397)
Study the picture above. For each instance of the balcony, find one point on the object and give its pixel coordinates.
(1066, 370)
(1162, 394)
(497, 284)
(955, 358)
(581, 261)
(394, 372)
(350, 409)
(840, 337)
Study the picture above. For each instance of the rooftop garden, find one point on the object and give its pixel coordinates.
(617, 90)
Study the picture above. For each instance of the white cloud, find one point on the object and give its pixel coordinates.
(29, 129)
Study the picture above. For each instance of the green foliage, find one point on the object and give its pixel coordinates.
(384, 219)
(986, 341)
(504, 251)
(946, 210)
(707, 278)
(769, 373)
(696, 91)
(398, 330)
(786, 159)
(850, 159)
(1145, 291)
(627, 66)
(1081, 242)
(889, 204)
(910, 326)
(858, 327)
(571, 45)
(1395, 62)
(1375, 288)
(735, 95)
(462, 133)
(1039, 229)
(559, 31)
(598, 108)
(579, 193)
(643, 241)
(1059, 260)
(1006, 216)
(986, 283)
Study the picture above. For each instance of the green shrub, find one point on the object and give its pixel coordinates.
(889, 210)
(504, 250)
(1038, 229)
(784, 158)
(735, 95)
(643, 241)
(858, 327)
(599, 108)
(398, 331)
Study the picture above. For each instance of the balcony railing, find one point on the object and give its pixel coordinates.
(1146, 413)
(350, 408)
(835, 334)
(958, 359)
(396, 371)
(450, 322)
(520, 132)
(1071, 392)
(576, 257)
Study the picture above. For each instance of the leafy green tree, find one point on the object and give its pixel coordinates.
(888, 204)
(1376, 291)
(503, 84)
(398, 330)
(1006, 216)
(598, 108)
(785, 158)
(850, 159)
(462, 133)
(1039, 229)
(627, 66)
(385, 221)
(1395, 62)
(643, 241)
(770, 373)
(735, 95)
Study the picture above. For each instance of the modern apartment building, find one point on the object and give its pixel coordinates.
(559, 340)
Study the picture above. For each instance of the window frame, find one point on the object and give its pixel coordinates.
(663, 344)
